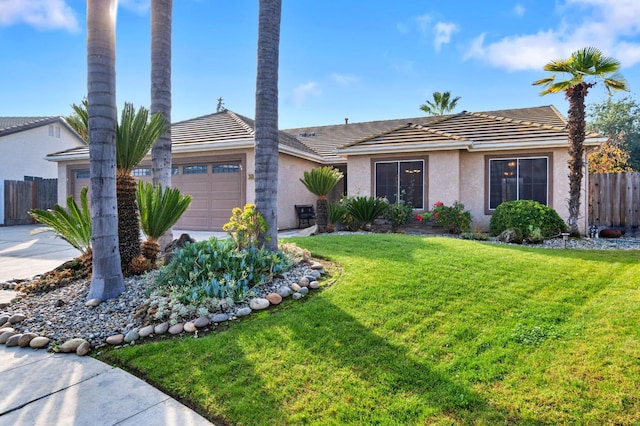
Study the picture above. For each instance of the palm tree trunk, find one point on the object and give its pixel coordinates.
(128, 221)
(106, 279)
(576, 128)
(161, 17)
(322, 214)
(266, 124)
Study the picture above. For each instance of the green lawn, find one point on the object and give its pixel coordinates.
(418, 330)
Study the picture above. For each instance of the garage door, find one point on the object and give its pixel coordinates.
(215, 189)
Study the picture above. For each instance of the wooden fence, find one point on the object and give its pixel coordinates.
(20, 197)
(614, 199)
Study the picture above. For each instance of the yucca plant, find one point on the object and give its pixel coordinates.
(364, 210)
(135, 136)
(72, 225)
(336, 212)
(320, 181)
(160, 209)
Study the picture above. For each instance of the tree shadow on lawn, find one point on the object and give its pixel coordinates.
(376, 381)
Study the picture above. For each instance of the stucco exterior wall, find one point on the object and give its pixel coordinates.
(24, 153)
(462, 176)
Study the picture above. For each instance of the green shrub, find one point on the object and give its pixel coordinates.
(398, 214)
(362, 211)
(216, 269)
(526, 216)
(478, 236)
(454, 219)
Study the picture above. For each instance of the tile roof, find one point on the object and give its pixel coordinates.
(9, 125)
(325, 140)
(506, 128)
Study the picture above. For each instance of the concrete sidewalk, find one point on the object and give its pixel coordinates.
(41, 388)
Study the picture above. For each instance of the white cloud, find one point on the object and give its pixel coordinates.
(424, 24)
(303, 91)
(605, 24)
(442, 33)
(41, 14)
(138, 6)
(344, 79)
(519, 10)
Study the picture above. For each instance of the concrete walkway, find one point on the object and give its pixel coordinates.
(42, 388)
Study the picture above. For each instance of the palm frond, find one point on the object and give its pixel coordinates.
(160, 208)
(135, 135)
(72, 225)
(79, 120)
(321, 180)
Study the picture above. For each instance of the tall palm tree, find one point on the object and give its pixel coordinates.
(441, 104)
(266, 124)
(587, 62)
(135, 137)
(106, 278)
(161, 19)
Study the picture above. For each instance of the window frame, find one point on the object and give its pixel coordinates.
(516, 156)
(398, 160)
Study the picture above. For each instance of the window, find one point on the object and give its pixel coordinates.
(141, 171)
(404, 178)
(175, 170)
(82, 174)
(195, 170)
(518, 179)
(54, 131)
(226, 168)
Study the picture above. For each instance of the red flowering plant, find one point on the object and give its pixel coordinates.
(455, 219)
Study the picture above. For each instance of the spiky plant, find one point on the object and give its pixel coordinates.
(320, 181)
(72, 225)
(364, 210)
(160, 209)
(136, 134)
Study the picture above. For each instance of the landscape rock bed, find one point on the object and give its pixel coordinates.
(64, 315)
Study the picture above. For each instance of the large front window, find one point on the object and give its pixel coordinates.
(518, 179)
(401, 179)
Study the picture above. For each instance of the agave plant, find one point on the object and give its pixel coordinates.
(72, 225)
(320, 181)
(136, 134)
(160, 209)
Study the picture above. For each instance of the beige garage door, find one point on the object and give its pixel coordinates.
(215, 189)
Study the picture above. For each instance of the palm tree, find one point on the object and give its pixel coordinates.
(106, 277)
(161, 17)
(266, 124)
(584, 63)
(441, 104)
(79, 120)
(320, 181)
(161, 87)
(160, 209)
(135, 137)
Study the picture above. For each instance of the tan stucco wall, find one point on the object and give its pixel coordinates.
(460, 175)
(290, 190)
(24, 153)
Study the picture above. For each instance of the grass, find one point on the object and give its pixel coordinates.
(424, 331)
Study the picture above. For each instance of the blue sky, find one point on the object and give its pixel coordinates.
(370, 60)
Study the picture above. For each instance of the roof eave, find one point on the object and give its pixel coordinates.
(549, 143)
(403, 148)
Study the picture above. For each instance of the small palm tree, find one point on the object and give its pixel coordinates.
(583, 63)
(136, 134)
(441, 104)
(320, 181)
(160, 209)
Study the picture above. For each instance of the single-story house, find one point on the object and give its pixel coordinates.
(479, 159)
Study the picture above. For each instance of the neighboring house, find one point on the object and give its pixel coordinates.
(480, 159)
(26, 141)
